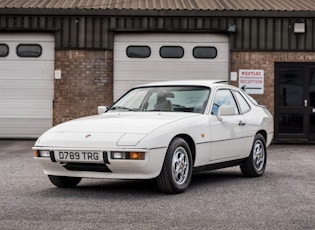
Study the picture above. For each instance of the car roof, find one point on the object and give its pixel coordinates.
(207, 83)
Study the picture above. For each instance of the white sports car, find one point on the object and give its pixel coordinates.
(165, 130)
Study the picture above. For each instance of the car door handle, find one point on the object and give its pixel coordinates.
(241, 123)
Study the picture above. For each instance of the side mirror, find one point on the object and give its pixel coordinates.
(225, 110)
(102, 109)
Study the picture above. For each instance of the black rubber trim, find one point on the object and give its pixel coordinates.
(87, 167)
(219, 165)
(105, 157)
(52, 156)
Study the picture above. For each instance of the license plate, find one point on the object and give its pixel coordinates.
(79, 156)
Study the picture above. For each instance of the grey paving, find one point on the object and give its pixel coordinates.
(284, 198)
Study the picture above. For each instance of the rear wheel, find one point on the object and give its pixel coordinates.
(255, 164)
(176, 172)
(64, 182)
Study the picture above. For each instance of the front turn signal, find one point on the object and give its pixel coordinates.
(136, 156)
(36, 153)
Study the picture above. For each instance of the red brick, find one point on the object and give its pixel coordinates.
(86, 82)
(266, 61)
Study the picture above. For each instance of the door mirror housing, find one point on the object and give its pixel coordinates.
(225, 110)
(102, 109)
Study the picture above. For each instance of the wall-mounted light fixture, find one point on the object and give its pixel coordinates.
(299, 26)
(232, 29)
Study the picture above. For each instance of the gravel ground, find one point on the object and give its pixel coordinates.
(284, 198)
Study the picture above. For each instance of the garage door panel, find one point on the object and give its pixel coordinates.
(131, 71)
(166, 70)
(46, 41)
(39, 70)
(222, 52)
(31, 90)
(22, 128)
(25, 109)
(26, 87)
(45, 55)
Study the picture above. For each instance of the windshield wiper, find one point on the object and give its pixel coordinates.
(179, 106)
(123, 108)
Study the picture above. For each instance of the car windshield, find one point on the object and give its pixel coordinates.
(167, 98)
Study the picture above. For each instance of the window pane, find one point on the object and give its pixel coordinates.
(191, 100)
(242, 102)
(132, 100)
(207, 52)
(166, 98)
(4, 50)
(182, 99)
(138, 51)
(291, 91)
(29, 50)
(290, 123)
(171, 52)
(223, 97)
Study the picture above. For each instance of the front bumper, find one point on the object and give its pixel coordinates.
(148, 168)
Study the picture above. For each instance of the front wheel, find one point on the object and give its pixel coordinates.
(255, 164)
(64, 181)
(176, 172)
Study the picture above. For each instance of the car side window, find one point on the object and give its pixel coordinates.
(223, 97)
(242, 102)
(151, 102)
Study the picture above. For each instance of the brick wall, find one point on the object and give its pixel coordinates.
(87, 78)
(266, 61)
(86, 82)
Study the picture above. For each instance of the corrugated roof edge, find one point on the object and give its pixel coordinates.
(154, 9)
(164, 5)
(154, 13)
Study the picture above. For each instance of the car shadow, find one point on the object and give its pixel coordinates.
(125, 189)
(105, 189)
(215, 177)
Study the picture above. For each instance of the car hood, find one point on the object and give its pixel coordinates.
(110, 129)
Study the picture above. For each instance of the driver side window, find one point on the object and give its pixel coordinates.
(223, 97)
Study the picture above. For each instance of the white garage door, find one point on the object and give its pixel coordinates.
(26, 84)
(143, 58)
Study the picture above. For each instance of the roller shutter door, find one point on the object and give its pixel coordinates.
(26, 84)
(153, 64)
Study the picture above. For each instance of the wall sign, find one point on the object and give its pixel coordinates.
(251, 81)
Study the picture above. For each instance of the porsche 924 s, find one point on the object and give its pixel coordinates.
(166, 131)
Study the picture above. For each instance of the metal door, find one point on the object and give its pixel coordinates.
(295, 102)
(311, 103)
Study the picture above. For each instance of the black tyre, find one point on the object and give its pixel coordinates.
(64, 182)
(176, 172)
(255, 164)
